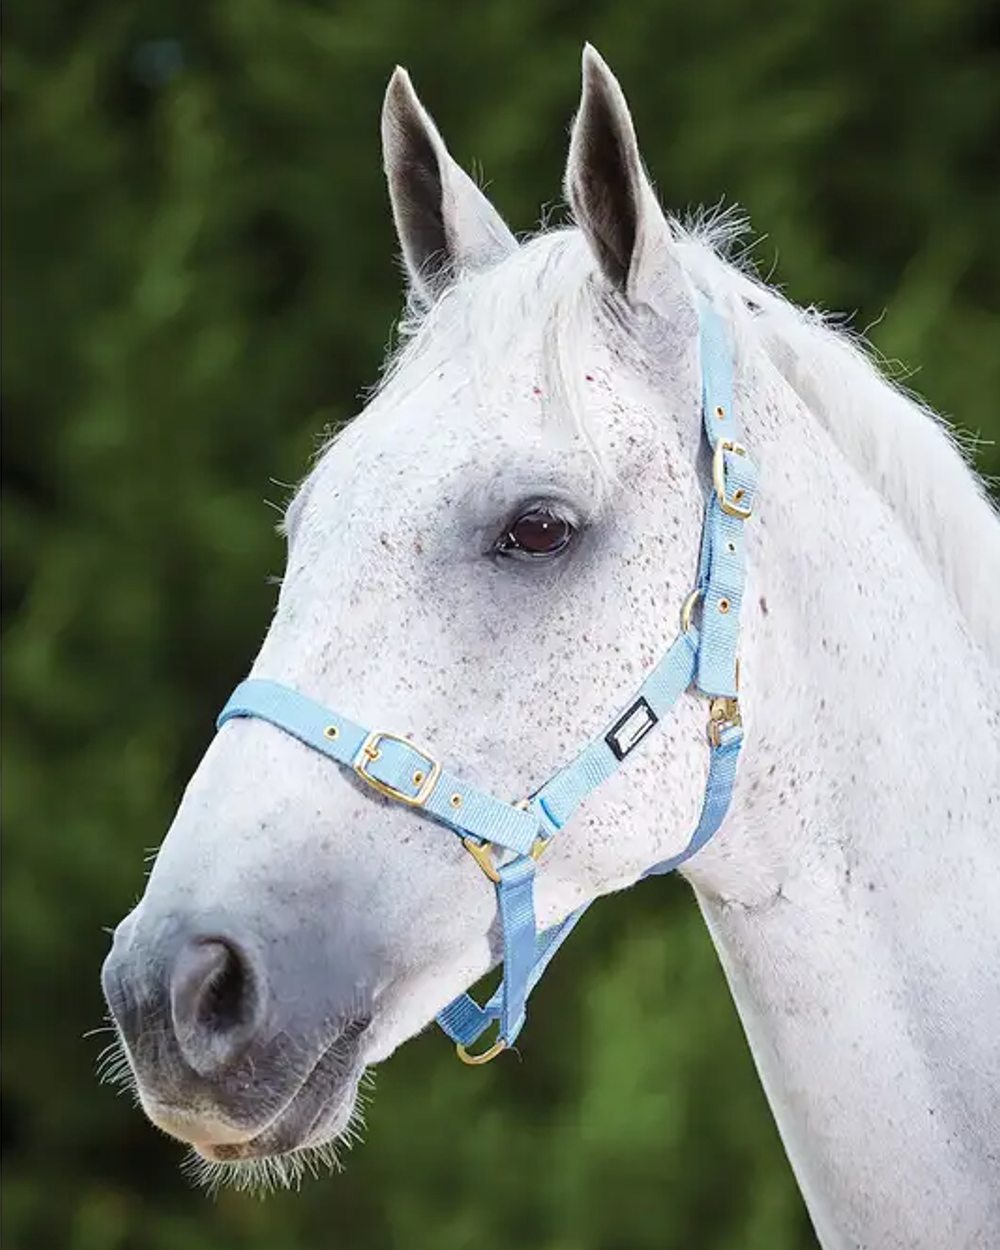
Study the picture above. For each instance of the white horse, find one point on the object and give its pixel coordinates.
(489, 558)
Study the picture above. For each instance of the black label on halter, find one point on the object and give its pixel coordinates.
(630, 729)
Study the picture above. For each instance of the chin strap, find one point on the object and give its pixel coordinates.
(506, 839)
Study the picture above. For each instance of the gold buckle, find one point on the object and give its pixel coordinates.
(482, 853)
(723, 713)
(370, 751)
(732, 507)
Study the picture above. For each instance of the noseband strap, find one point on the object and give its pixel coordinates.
(506, 839)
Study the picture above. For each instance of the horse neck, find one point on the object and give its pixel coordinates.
(851, 894)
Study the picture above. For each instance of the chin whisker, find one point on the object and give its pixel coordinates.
(260, 1177)
(354, 1130)
(112, 1065)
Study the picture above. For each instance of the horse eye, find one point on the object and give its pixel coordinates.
(537, 534)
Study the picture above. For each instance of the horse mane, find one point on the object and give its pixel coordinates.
(904, 450)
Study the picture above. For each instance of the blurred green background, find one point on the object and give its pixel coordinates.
(200, 279)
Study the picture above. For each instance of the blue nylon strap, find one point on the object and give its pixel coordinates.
(718, 403)
(722, 567)
(477, 813)
(721, 579)
(516, 903)
(562, 794)
(464, 1020)
(718, 792)
(708, 658)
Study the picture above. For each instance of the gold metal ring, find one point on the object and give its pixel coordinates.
(482, 853)
(687, 609)
(474, 1061)
(539, 847)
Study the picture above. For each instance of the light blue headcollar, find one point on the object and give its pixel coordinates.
(506, 839)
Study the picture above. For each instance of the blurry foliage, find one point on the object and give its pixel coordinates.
(200, 280)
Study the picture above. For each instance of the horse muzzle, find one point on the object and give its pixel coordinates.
(235, 1045)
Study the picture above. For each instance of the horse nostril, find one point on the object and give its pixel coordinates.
(216, 1002)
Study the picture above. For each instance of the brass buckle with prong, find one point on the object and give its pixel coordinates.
(731, 506)
(425, 778)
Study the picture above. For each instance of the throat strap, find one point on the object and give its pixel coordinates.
(506, 839)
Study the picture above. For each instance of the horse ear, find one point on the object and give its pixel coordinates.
(444, 222)
(612, 199)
